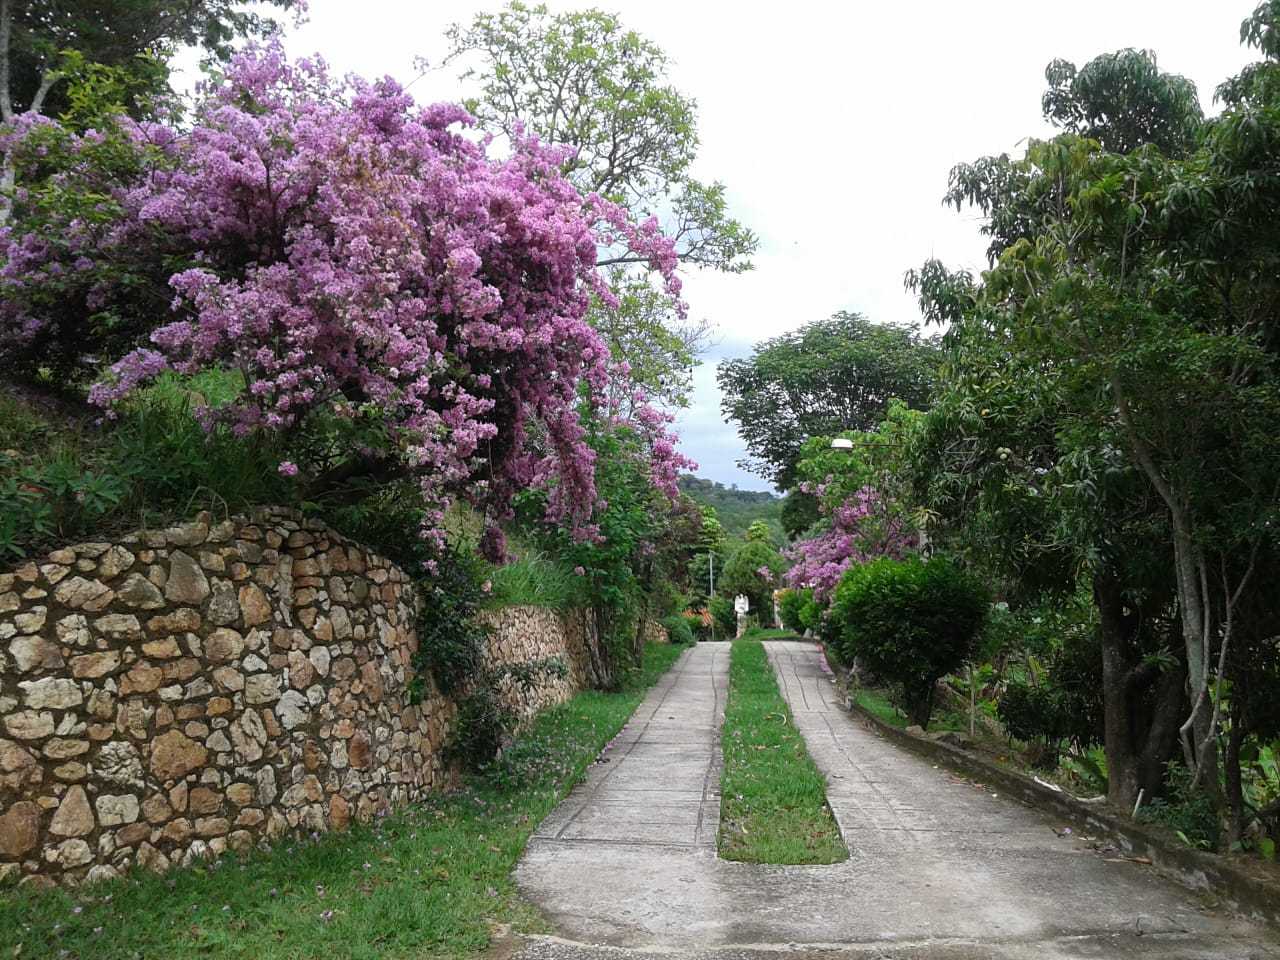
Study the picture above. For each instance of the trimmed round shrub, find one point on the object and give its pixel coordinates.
(790, 605)
(678, 629)
(725, 616)
(694, 622)
(810, 611)
(909, 621)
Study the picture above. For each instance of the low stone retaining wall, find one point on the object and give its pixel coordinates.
(185, 691)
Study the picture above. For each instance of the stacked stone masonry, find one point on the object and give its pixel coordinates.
(211, 686)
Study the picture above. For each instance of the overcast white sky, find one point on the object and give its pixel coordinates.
(834, 126)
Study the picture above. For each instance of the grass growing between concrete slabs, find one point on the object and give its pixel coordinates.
(773, 806)
(431, 881)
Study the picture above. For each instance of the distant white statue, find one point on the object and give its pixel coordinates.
(741, 605)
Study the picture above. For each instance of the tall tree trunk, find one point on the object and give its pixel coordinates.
(919, 702)
(599, 667)
(1235, 786)
(1199, 746)
(6, 53)
(1138, 740)
(1160, 743)
(1123, 773)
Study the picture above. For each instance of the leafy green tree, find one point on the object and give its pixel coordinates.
(799, 513)
(641, 558)
(824, 379)
(1258, 83)
(583, 79)
(1021, 491)
(1134, 295)
(643, 331)
(85, 60)
(708, 556)
(43, 42)
(726, 619)
(790, 605)
(754, 569)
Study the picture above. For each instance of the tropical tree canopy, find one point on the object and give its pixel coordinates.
(823, 379)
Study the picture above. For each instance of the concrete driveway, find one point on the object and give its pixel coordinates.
(938, 869)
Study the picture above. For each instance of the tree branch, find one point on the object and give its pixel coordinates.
(6, 38)
(47, 79)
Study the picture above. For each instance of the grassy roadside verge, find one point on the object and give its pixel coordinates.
(773, 806)
(427, 882)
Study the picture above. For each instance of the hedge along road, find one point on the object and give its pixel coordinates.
(937, 868)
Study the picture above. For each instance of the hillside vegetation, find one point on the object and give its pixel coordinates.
(736, 509)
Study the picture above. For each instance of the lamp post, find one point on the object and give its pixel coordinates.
(711, 590)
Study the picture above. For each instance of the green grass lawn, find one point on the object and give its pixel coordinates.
(428, 882)
(770, 633)
(773, 806)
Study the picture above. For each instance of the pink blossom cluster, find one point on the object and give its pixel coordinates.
(666, 462)
(860, 528)
(353, 254)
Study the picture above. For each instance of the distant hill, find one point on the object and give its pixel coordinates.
(736, 509)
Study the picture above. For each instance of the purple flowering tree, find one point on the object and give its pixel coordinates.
(395, 299)
(860, 527)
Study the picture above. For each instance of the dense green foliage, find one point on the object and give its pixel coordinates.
(754, 570)
(773, 800)
(909, 622)
(1186, 810)
(62, 476)
(1124, 101)
(52, 42)
(1062, 705)
(726, 618)
(1108, 404)
(800, 512)
(348, 894)
(638, 566)
(536, 579)
(679, 628)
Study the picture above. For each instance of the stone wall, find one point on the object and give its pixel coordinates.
(180, 692)
(524, 634)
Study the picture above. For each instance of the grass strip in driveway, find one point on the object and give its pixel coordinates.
(773, 800)
(427, 882)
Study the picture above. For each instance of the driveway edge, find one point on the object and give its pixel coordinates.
(1253, 896)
